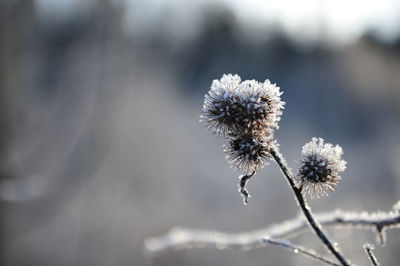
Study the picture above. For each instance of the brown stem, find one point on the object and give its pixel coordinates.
(306, 209)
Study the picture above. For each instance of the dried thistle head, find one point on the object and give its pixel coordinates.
(320, 167)
(248, 107)
(248, 153)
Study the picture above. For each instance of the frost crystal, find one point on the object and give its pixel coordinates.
(247, 153)
(320, 167)
(235, 107)
(396, 206)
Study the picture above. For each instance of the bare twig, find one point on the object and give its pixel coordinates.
(298, 249)
(307, 210)
(179, 238)
(243, 187)
(381, 235)
(368, 249)
(182, 238)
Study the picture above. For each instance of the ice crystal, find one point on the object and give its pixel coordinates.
(396, 206)
(235, 107)
(320, 167)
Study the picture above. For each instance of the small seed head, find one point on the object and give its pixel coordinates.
(247, 153)
(320, 168)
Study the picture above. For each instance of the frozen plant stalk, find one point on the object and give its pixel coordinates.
(247, 113)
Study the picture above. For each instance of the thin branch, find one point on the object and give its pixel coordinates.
(368, 249)
(298, 249)
(182, 239)
(307, 210)
(381, 235)
(179, 238)
(243, 187)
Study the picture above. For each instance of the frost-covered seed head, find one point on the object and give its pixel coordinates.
(235, 107)
(320, 167)
(247, 153)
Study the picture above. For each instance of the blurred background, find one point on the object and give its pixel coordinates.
(100, 144)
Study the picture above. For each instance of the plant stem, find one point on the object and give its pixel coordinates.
(371, 256)
(306, 209)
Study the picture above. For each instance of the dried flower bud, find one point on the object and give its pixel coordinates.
(320, 167)
(248, 107)
(247, 153)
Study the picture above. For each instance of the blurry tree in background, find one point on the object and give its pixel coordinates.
(100, 142)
